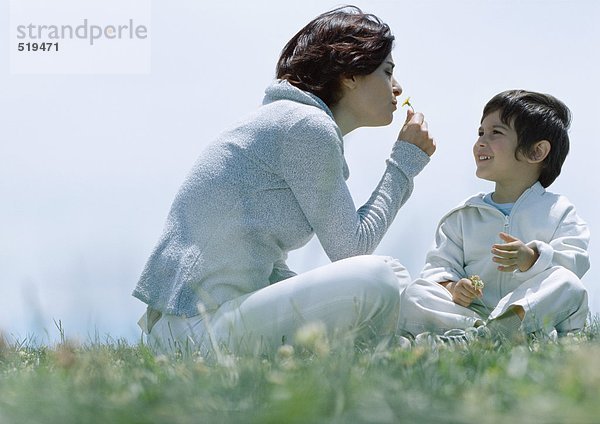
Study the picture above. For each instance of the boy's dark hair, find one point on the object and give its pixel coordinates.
(535, 117)
(342, 42)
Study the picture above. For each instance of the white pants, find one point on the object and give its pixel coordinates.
(554, 299)
(360, 295)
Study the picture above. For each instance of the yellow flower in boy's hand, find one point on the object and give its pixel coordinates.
(476, 281)
(407, 103)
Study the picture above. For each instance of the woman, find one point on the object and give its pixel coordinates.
(218, 274)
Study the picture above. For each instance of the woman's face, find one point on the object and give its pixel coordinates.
(373, 100)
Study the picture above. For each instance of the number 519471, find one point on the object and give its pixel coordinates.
(34, 47)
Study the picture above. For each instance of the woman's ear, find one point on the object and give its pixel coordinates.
(349, 82)
(540, 151)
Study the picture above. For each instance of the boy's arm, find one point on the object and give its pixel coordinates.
(568, 248)
(463, 291)
(514, 254)
(444, 262)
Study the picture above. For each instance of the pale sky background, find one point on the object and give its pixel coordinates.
(89, 164)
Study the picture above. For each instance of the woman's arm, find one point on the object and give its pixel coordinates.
(312, 165)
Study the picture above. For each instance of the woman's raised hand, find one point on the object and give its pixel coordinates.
(415, 132)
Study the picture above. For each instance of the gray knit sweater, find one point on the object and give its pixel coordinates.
(261, 190)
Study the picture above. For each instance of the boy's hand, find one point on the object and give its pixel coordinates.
(463, 292)
(415, 132)
(513, 255)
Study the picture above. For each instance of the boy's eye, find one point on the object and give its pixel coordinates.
(497, 132)
(480, 133)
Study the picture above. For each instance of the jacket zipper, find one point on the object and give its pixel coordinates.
(502, 275)
(506, 229)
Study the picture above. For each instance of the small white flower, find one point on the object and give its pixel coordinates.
(313, 336)
(477, 281)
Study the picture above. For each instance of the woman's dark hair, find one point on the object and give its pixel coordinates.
(343, 42)
(535, 117)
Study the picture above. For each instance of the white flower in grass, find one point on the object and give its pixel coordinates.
(313, 336)
(285, 352)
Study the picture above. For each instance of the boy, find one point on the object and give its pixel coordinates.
(528, 246)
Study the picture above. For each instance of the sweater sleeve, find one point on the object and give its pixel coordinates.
(280, 272)
(312, 165)
(568, 248)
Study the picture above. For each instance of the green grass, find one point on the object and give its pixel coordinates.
(113, 382)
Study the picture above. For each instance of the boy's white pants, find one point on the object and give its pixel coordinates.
(358, 295)
(554, 299)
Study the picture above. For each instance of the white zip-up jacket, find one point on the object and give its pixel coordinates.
(544, 220)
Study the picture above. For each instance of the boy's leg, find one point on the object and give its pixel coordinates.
(556, 298)
(426, 306)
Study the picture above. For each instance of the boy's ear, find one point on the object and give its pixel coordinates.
(540, 150)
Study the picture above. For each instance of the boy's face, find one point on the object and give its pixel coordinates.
(494, 153)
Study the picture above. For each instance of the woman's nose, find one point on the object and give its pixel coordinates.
(396, 88)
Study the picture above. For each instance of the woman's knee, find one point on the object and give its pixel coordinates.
(383, 274)
(372, 282)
